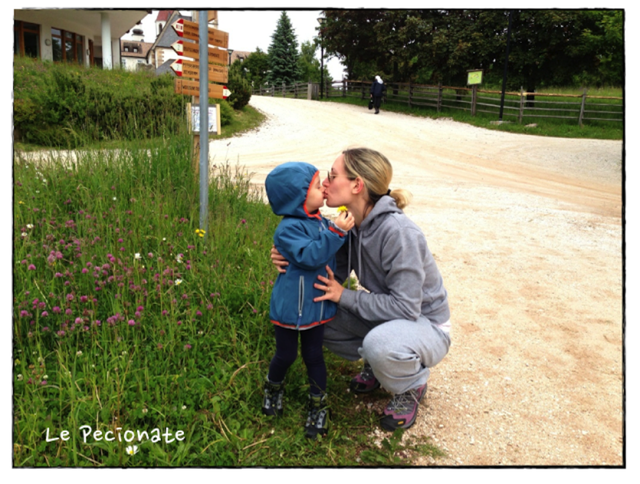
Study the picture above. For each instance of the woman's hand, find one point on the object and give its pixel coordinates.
(278, 260)
(332, 288)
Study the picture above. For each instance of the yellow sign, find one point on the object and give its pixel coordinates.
(474, 77)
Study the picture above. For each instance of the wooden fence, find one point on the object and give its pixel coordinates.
(518, 106)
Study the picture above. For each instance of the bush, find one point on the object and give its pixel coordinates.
(239, 86)
(64, 105)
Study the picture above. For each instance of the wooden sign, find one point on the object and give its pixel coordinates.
(191, 70)
(190, 30)
(191, 49)
(192, 88)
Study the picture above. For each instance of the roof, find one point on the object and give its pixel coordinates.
(142, 48)
(166, 67)
(163, 15)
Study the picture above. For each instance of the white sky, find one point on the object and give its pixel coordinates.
(249, 29)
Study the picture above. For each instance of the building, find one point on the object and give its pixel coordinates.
(85, 37)
(133, 52)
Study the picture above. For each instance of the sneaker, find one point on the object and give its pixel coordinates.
(318, 417)
(272, 402)
(365, 382)
(402, 410)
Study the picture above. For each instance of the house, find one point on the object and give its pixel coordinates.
(133, 52)
(85, 37)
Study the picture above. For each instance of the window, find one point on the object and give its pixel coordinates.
(67, 46)
(26, 39)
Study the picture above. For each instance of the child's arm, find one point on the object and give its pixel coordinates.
(299, 249)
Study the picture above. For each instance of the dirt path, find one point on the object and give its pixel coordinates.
(527, 233)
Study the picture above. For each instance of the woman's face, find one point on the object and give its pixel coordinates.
(337, 187)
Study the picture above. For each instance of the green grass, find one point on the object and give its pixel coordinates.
(545, 126)
(124, 317)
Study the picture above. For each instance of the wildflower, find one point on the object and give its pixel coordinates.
(165, 312)
(45, 329)
(56, 309)
(342, 209)
(44, 314)
(31, 267)
(184, 407)
(43, 382)
(179, 258)
(187, 347)
(23, 234)
(29, 226)
(132, 322)
(137, 256)
(132, 449)
(114, 198)
(84, 299)
(79, 353)
(178, 282)
(144, 410)
(20, 202)
(20, 377)
(150, 254)
(179, 323)
(159, 346)
(200, 232)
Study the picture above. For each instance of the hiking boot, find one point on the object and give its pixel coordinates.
(272, 402)
(402, 410)
(318, 417)
(365, 382)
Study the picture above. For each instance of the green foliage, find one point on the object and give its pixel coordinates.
(239, 86)
(283, 54)
(125, 317)
(547, 47)
(63, 105)
(255, 68)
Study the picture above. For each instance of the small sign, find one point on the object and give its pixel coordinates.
(192, 88)
(474, 77)
(192, 50)
(214, 119)
(191, 30)
(191, 69)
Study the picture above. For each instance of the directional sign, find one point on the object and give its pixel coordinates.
(192, 88)
(190, 30)
(191, 69)
(191, 49)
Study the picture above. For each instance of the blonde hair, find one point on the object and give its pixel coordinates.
(376, 172)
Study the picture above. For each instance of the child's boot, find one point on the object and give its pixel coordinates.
(272, 402)
(318, 416)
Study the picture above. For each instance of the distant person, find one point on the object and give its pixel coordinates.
(378, 89)
(400, 326)
(309, 242)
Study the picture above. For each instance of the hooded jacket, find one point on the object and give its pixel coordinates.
(378, 88)
(308, 241)
(391, 259)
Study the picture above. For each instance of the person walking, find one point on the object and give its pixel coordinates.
(378, 89)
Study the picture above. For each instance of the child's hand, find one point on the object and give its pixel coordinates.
(345, 221)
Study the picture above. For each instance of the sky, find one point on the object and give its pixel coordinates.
(249, 29)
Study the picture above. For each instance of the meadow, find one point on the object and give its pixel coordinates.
(140, 341)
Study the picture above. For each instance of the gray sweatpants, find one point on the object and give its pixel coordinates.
(400, 352)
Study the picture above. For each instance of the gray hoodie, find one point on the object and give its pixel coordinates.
(389, 254)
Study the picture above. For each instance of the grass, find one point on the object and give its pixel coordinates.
(544, 126)
(126, 320)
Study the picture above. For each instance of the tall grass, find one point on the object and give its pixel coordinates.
(129, 323)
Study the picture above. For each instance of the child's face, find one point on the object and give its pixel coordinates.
(315, 195)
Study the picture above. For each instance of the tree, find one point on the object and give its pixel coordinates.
(283, 53)
(239, 86)
(309, 65)
(256, 66)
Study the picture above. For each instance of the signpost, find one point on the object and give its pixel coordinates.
(204, 46)
(474, 79)
(190, 69)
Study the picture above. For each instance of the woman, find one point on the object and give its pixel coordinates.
(400, 325)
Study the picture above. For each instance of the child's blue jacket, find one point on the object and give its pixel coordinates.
(308, 241)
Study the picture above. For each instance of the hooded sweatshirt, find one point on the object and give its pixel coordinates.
(308, 241)
(390, 257)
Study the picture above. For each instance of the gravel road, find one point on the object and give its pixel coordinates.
(527, 232)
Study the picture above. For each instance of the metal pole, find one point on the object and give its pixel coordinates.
(321, 65)
(506, 63)
(204, 119)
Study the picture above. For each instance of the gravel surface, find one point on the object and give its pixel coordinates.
(527, 232)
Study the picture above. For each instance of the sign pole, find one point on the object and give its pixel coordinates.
(204, 120)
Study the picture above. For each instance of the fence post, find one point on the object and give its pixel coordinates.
(410, 92)
(439, 103)
(474, 99)
(521, 114)
(273, 89)
(584, 101)
(344, 88)
(362, 86)
(283, 94)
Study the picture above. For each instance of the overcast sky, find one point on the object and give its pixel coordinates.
(249, 29)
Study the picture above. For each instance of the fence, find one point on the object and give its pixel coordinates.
(519, 106)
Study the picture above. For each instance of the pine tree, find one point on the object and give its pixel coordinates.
(283, 54)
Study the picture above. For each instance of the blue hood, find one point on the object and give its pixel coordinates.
(287, 186)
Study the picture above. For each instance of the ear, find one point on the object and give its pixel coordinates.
(359, 186)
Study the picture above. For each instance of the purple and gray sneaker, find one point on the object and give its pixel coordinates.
(402, 410)
(365, 381)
